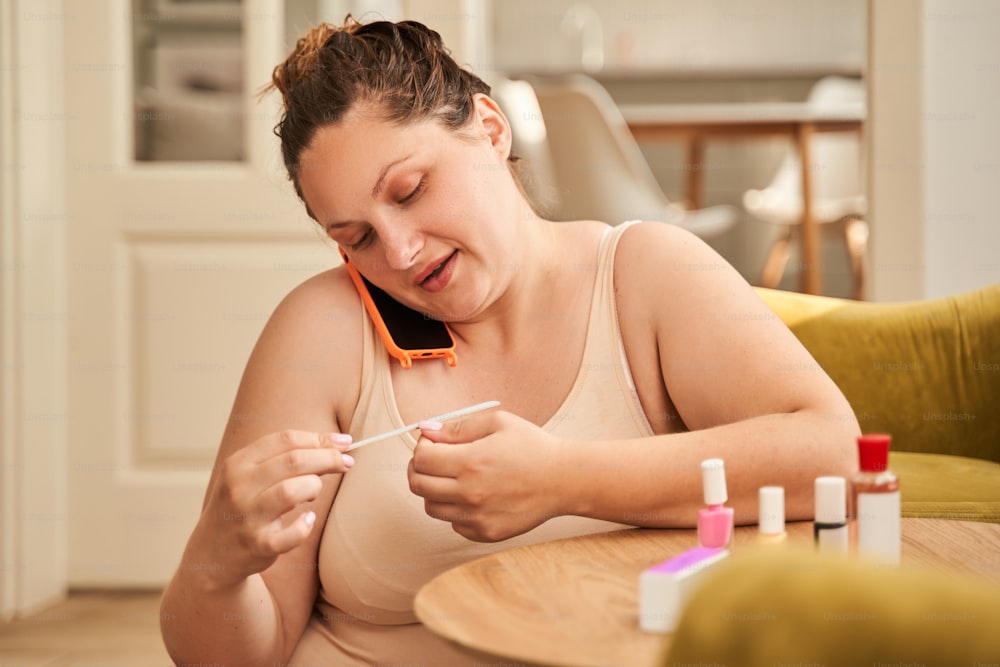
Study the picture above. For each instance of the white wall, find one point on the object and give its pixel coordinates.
(895, 150)
(935, 147)
(683, 35)
(961, 145)
(464, 26)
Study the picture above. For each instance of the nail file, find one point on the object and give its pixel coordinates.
(410, 427)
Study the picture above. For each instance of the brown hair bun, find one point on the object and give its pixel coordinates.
(401, 70)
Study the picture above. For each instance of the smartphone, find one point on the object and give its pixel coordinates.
(407, 334)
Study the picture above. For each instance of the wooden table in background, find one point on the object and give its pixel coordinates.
(697, 123)
(575, 601)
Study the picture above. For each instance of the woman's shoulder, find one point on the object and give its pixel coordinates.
(315, 335)
(672, 273)
(329, 295)
(655, 250)
(654, 236)
(643, 248)
(320, 316)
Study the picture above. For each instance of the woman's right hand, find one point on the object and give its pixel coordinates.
(257, 507)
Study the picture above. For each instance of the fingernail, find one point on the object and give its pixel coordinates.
(341, 438)
(430, 425)
(348, 460)
(309, 518)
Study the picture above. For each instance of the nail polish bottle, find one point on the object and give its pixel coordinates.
(715, 522)
(830, 529)
(771, 518)
(876, 501)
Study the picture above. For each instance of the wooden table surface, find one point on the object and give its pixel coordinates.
(575, 601)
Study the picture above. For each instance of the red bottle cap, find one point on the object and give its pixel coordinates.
(873, 452)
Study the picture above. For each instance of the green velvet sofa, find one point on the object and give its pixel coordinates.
(926, 372)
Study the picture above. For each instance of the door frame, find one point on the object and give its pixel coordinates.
(33, 342)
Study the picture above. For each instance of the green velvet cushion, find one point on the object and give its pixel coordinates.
(802, 608)
(947, 487)
(927, 372)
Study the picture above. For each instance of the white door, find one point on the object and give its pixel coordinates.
(174, 265)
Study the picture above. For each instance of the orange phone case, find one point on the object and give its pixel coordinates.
(405, 357)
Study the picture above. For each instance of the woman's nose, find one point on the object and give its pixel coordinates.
(401, 247)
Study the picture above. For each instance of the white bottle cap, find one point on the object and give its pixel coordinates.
(772, 510)
(831, 500)
(713, 479)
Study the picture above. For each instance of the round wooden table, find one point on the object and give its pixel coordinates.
(575, 601)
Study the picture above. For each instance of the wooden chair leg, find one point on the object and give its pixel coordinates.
(856, 236)
(777, 260)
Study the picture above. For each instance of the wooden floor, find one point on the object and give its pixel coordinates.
(110, 629)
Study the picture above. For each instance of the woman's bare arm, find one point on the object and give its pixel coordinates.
(718, 372)
(248, 579)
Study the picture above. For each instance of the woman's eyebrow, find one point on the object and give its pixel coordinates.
(380, 183)
(376, 191)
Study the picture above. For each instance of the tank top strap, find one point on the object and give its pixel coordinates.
(376, 402)
(609, 313)
(604, 389)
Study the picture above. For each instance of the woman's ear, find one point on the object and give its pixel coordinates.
(494, 123)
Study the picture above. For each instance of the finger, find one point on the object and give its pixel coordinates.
(302, 461)
(433, 488)
(465, 430)
(283, 441)
(285, 496)
(470, 532)
(438, 460)
(453, 514)
(281, 538)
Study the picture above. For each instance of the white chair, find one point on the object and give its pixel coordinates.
(837, 184)
(600, 172)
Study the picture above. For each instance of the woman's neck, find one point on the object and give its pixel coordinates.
(550, 278)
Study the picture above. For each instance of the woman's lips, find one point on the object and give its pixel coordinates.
(440, 275)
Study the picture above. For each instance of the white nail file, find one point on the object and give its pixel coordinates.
(410, 427)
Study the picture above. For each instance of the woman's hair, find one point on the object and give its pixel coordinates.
(400, 70)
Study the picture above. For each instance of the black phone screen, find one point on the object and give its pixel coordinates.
(410, 329)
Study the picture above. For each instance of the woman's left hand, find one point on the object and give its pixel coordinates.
(488, 475)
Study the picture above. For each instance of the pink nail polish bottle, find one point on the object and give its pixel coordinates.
(715, 522)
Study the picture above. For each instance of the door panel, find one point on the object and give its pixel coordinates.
(173, 269)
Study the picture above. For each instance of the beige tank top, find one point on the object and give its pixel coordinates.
(379, 547)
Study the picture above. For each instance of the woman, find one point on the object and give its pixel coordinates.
(621, 357)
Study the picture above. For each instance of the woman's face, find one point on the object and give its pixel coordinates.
(422, 211)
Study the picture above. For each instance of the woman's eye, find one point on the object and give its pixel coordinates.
(361, 242)
(413, 193)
